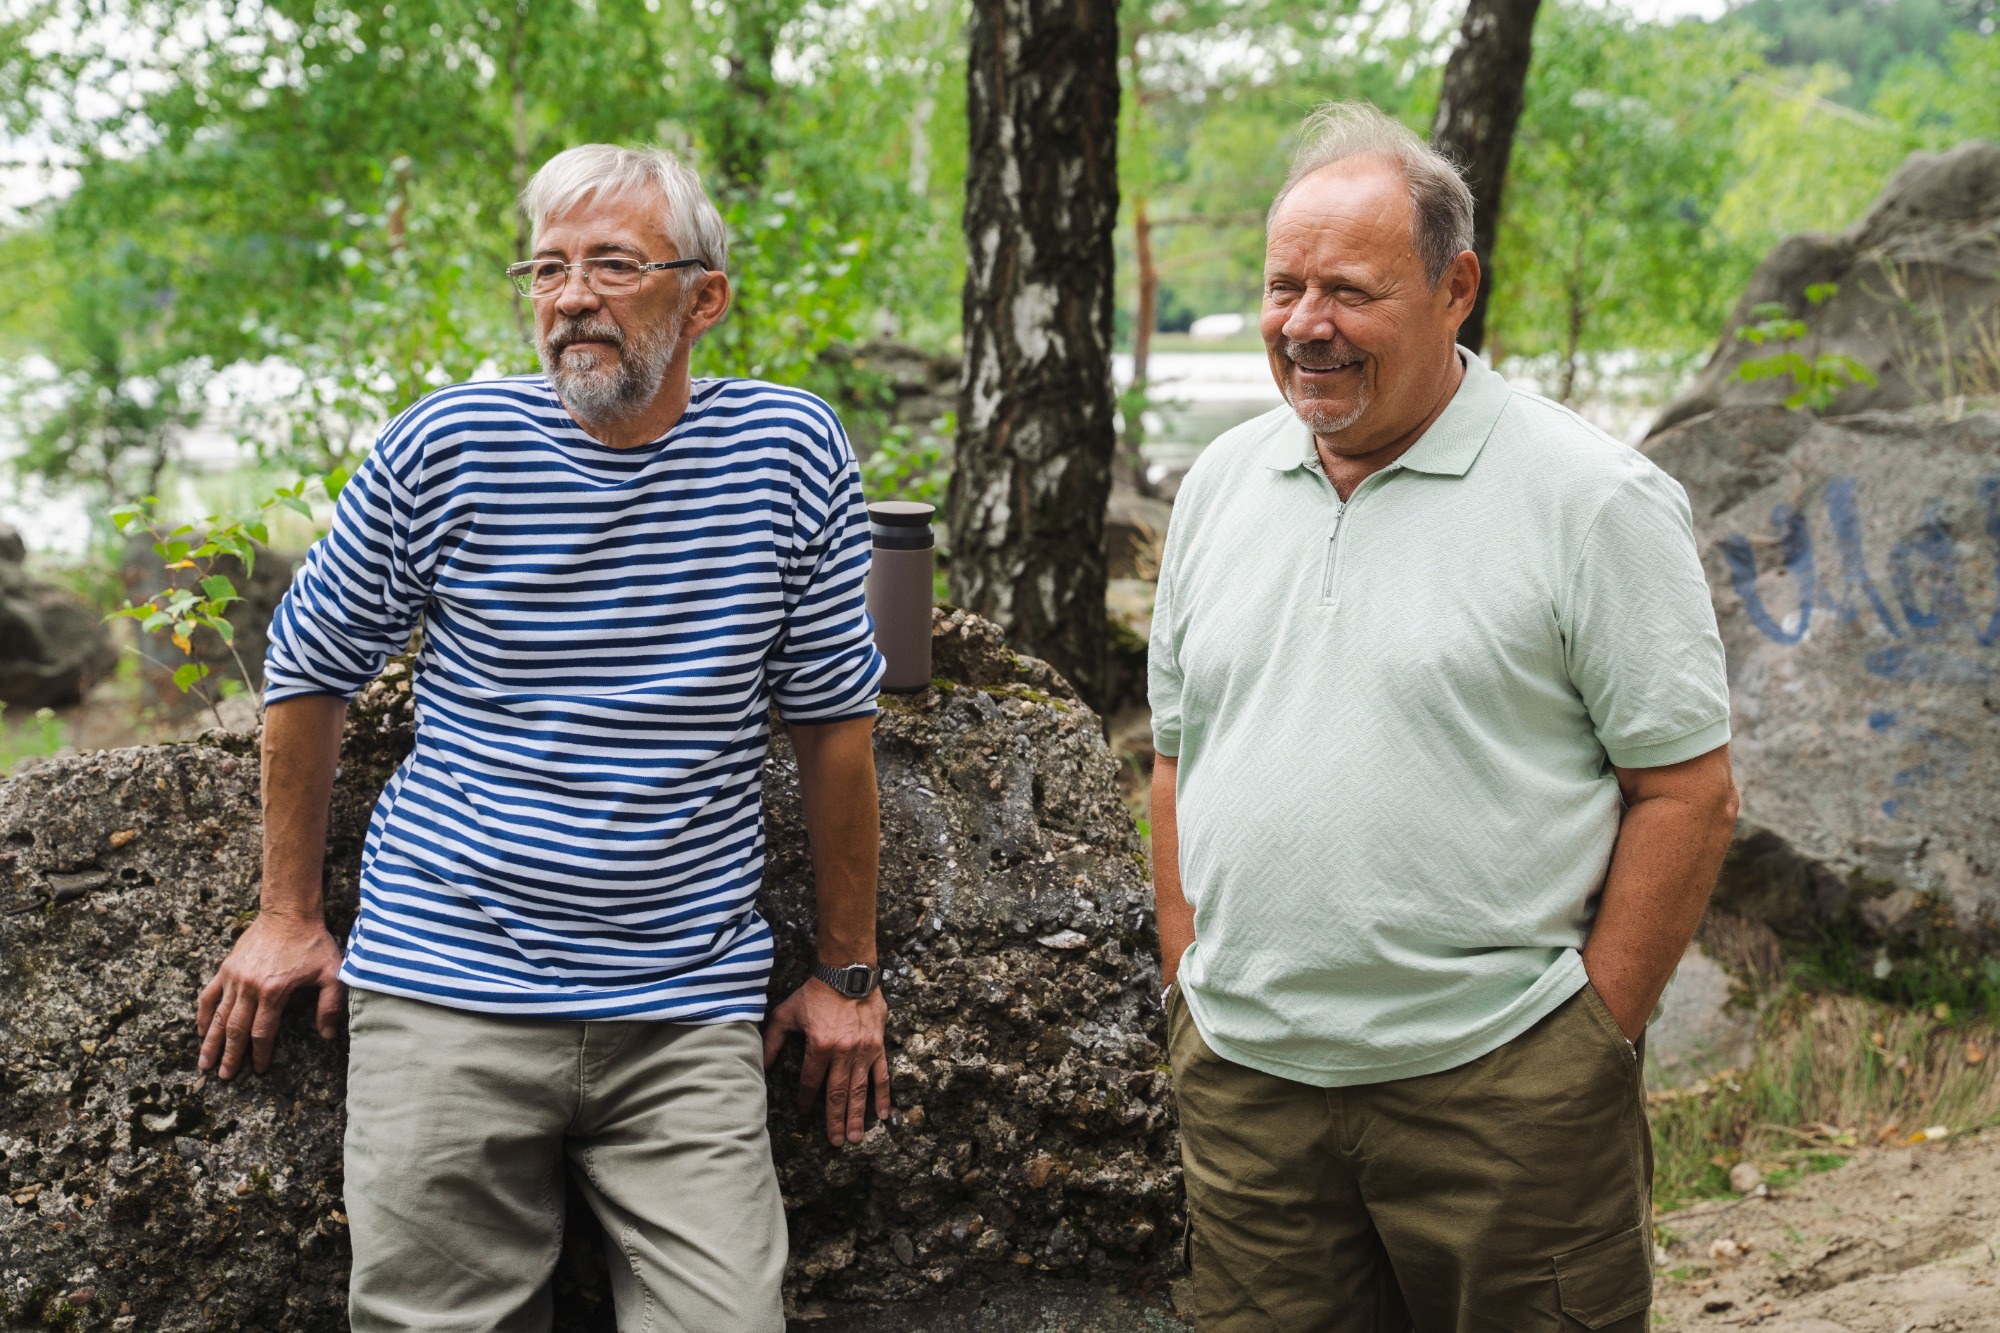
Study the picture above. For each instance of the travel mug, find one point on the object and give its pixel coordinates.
(899, 591)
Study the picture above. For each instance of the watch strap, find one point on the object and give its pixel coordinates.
(854, 981)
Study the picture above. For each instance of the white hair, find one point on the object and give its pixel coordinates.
(1440, 201)
(575, 174)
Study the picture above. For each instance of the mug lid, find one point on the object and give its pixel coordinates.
(901, 513)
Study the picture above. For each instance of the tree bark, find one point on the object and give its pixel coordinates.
(1036, 436)
(1144, 320)
(1485, 82)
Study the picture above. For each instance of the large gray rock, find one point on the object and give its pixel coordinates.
(1032, 1176)
(1855, 566)
(53, 647)
(1919, 286)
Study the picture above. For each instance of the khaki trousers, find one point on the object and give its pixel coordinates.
(1509, 1195)
(458, 1129)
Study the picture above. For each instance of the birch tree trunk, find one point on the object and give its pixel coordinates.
(1036, 436)
(1478, 109)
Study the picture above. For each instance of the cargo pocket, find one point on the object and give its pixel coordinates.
(1608, 1281)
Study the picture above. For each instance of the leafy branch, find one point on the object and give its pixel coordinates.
(1817, 377)
(198, 595)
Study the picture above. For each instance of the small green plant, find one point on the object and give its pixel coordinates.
(198, 595)
(1817, 377)
(36, 740)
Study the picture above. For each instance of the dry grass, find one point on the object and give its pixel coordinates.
(1831, 1074)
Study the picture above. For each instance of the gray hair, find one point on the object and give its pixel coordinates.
(1440, 202)
(575, 174)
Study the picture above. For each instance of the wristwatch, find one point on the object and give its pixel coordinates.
(854, 981)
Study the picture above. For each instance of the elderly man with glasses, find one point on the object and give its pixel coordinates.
(558, 962)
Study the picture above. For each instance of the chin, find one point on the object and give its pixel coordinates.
(1329, 417)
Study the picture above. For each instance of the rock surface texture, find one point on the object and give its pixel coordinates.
(1032, 1170)
(1855, 566)
(1918, 300)
(53, 648)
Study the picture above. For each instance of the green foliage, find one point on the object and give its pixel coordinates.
(911, 464)
(1830, 1074)
(1817, 377)
(323, 192)
(197, 595)
(39, 738)
(1621, 160)
(1948, 96)
(1862, 38)
(1804, 161)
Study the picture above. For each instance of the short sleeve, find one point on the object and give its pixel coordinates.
(825, 667)
(357, 597)
(1639, 630)
(1163, 668)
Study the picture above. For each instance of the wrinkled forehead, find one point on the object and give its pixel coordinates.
(1354, 210)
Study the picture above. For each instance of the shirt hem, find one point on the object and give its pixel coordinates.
(1557, 986)
(710, 1012)
(870, 711)
(1676, 751)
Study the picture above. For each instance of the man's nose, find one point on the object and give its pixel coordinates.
(1311, 319)
(576, 295)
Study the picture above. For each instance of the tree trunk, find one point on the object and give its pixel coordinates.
(1484, 83)
(1036, 436)
(1144, 321)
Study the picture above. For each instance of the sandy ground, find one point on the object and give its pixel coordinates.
(1901, 1240)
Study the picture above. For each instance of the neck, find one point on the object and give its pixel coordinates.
(1348, 470)
(653, 420)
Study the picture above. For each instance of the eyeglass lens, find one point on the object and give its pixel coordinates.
(607, 277)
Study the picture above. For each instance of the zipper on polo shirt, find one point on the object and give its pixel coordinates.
(1332, 554)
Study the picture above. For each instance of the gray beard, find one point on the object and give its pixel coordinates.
(1321, 419)
(603, 388)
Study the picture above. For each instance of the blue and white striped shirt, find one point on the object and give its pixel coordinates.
(579, 830)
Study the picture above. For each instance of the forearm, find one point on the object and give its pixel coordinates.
(1670, 846)
(1170, 908)
(844, 829)
(301, 752)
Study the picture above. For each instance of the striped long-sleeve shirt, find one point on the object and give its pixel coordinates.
(579, 831)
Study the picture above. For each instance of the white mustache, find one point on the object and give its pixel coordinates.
(1317, 356)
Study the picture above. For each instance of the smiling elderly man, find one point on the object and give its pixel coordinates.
(1443, 786)
(617, 570)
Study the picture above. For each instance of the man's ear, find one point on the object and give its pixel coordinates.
(1461, 287)
(710, 303)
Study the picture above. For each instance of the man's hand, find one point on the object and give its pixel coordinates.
(844, 1051)
(239, 1009)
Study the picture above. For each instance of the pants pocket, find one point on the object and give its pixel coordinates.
(1601, 1012)
(1606, 1281)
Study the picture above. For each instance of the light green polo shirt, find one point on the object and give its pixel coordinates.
(1396, 720)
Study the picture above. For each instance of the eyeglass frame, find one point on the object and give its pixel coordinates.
(522, 271)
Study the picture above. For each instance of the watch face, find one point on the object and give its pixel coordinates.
(858, 981)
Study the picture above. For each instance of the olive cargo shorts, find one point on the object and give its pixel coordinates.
(1511, 1194)
(458, 1125)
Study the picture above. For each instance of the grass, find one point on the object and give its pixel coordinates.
(39, 735)
(1832, 1075)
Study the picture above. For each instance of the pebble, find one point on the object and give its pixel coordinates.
(1744, 1178)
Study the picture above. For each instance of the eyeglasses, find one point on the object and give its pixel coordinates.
(610, 276)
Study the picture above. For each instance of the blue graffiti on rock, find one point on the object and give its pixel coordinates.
(1931, 620)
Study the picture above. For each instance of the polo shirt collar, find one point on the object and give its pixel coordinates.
(1446, 449)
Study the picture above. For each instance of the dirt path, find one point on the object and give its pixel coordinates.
(1902, 1240)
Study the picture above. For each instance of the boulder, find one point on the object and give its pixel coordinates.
(53, 647)
(1918, 299)
(1855, 567)
(1032, 1172)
